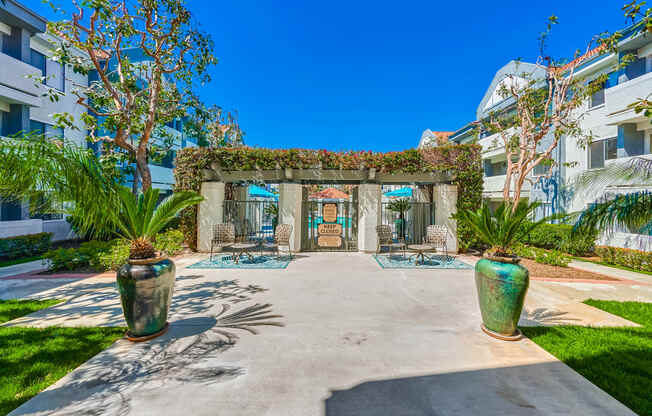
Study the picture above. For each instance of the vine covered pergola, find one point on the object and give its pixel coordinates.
(452, 173)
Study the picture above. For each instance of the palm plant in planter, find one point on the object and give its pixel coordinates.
(400, 206)
(501, 281)
(146, 282)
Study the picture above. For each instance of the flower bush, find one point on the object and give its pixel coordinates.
(24, 245)
(635, 259)
(462, 162)
(108, 255)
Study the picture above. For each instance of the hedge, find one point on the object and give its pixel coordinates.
(108, 255)
(561, 237)
(635, 259)
(463, 162)
(24, 245)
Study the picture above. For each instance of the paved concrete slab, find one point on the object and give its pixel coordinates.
(357, 340)
(29, 267)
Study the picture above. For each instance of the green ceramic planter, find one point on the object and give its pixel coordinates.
(146, 288)
(501, 291)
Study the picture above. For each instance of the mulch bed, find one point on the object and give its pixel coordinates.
(546, 271)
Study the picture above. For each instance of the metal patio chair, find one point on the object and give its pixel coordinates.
(281, 239)
(436, 236)
(384, 234)
(223, 236)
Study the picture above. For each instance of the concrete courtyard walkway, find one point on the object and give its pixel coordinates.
(356, 340)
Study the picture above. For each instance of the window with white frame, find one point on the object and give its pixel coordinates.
(602, 150)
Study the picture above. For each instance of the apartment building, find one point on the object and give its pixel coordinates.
(619, 134)
(25, 52)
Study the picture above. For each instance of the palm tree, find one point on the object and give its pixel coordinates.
(400, 206)
(75, 179)
(633, 210)
(70, 179)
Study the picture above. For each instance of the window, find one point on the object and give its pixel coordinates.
(541, 169)
(498, 168)
(602, 150)
(51, 132)
(11, 44)
(635, 69)
(597, 98)
(38, 61)
(10, 211)
(56, 75)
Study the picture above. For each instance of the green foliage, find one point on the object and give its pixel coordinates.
(170, 242)
(75, 179)
(633, 210)
(15, 308)
(543, 256)
(503, 228)
(139, 218)
(108, 255)
(635, 259)
(400, 206)
(561, 237)
(617, 360)
(24, 246)
(462, 162)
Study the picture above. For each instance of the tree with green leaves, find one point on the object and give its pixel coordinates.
(547, 106)
(214, 127)
(145, 59)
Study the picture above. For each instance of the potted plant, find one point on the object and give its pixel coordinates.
(501, 281)
(146, 282)
(400, 206)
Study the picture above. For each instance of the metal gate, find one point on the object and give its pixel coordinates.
(412, 227)
(329, 226)
(252, 219)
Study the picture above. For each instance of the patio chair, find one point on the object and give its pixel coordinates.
(384, 233)
(281, 239)
(436, 236)
(223, 236)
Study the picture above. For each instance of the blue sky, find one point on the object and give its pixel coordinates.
(372, 75)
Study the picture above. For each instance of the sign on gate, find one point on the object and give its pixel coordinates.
(329, 229)
(329, 212)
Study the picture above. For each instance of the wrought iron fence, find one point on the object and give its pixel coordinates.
(412, 227)
(252, 219)
(347, 218)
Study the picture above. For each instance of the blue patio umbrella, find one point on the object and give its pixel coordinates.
(399, 193)
(258, 192)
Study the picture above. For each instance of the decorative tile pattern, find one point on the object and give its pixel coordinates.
(437, 262)
(226, 262)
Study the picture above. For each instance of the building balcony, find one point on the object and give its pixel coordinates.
(493, 187)
(618, 97)
(15, 87)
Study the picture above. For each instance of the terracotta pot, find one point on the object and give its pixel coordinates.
(146, 288)
(502, 284)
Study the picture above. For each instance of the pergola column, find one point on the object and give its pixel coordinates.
(211, 212)
(289, 211)
(445, 199)
(369, 206)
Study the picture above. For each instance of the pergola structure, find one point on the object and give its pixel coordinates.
(291, 181)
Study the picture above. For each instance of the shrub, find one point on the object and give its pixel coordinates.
(169, 242)
(635, 259)
(108, 255)
(551, 257)
(561, 237)
(24, 245)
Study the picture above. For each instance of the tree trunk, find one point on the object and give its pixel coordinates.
(143, 169)
(134, 186)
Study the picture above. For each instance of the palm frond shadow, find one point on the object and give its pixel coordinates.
(245, 319)
(545, 317)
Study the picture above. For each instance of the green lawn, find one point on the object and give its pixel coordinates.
(5, 263)
(618, 360)
(31, 359)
